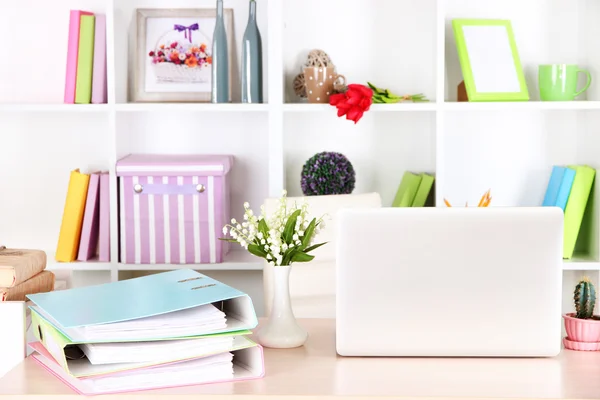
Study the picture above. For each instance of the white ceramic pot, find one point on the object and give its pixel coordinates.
(281, 331)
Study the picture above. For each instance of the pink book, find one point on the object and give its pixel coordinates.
(72, 54)
(248, 364)
(104, 231)
(89, 229)
(99, 88)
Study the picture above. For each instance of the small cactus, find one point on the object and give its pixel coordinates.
(585, 299)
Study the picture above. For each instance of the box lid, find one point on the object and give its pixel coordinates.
(174, 165)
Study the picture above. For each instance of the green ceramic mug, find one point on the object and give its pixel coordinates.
(558, 82)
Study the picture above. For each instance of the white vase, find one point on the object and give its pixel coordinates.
(281, 330)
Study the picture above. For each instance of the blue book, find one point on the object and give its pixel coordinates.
(565, 188)
(554, 186)
(178, 303)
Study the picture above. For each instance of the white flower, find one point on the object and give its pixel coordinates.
(291, 245)
(263, 241)
(244, 224)
(239, 227)
(295, 237)
(246, 217)
(182, 57)
(271, 263)
(250, 213)
(267, 247)
(224, 230)
(233, 221)
(260, 235)
(284, 247)
(300, 233)
(298, 243)
(245, 231)
(246, 205)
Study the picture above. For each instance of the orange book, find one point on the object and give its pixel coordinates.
(40, 283)
(70, 229)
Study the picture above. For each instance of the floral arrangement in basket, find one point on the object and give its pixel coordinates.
(286, 237)
(181, 59)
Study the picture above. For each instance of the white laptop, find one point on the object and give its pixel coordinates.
(465, 282)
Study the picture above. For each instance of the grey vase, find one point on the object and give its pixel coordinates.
(252, 68)
(220, 59)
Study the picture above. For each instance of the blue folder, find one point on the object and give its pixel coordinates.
(144, 297)
(559, 187)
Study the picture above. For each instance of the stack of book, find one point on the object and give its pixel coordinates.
(23, 272)
(85, 228)
(416, 190)
(569, 188)
(171, 329)
(86, 59)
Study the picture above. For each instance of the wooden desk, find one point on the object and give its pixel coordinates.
(316, 372)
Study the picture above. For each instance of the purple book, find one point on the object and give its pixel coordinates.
(99, 87)
(89, 229)
(104, 231)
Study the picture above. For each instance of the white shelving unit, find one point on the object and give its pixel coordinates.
(403, 45)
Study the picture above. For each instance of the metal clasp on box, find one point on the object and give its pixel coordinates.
(169, 189)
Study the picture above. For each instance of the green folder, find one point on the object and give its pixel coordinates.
(408, 190)
(578, 198)
(85, 60)
(423, 191)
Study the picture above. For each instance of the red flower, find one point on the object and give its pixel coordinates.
(353, 103)
(151, 54)
(173, 45)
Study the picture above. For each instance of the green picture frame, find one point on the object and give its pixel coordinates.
(489, 59)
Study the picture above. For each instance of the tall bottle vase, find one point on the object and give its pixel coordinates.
(281, 331)
(220, 60)
(252, 68)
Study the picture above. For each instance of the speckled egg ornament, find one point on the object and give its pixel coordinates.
(327, 173)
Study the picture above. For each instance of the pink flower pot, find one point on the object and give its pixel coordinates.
(582, 330)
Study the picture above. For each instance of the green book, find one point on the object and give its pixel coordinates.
(85, 60)
(578, 198)
(407, 191)
(423, 190)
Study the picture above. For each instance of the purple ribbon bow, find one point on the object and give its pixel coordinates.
(186, 30)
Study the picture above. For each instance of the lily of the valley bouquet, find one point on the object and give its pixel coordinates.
(285, 237)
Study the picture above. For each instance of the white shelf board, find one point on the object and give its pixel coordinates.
(521, 105)
(581, 263)
(57, 107)
(194, 107)
(92, 265)
(234, 261)
(398, 107)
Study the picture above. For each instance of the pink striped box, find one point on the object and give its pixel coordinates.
(172, 208)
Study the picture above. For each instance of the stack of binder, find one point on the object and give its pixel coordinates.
(171, 329)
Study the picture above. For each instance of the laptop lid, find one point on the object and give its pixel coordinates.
(449, 281)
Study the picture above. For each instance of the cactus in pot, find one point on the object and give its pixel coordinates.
(585, 299)
(582, 326)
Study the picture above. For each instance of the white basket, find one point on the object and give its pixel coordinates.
(170, 72)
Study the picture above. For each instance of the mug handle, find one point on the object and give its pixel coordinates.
(587, 85)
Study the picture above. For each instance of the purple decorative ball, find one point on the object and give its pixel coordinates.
(327, 173)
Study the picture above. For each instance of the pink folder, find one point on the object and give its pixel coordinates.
(89, 230)
(99, 75)
(250, 365)
(72, 54)
(104, 231)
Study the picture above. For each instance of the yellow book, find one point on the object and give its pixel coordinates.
(578, 198)
(70, 229)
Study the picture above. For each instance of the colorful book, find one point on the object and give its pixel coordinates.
(104, 228)
(408, 190)
(99, 87)
(423, 191)
(70, 229)
(85, 60)
(559, 187)
(576, 205)
(73, 54)
(88, 244)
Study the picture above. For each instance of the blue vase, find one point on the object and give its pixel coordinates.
(220, 59)
(252, 68)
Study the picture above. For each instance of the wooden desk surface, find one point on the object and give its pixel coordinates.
(316, 372)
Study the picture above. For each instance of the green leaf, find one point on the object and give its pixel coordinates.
(228, 240)
(288, 231)
(287, 257)
(257, 250)
(316, 246)
(308, 233)
(262, 227)
(302, 257)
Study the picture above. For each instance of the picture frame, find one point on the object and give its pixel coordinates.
(181, 70)
(489, 59)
